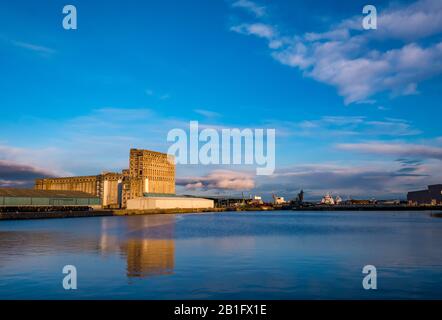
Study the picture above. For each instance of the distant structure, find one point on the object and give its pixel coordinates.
(254, 201)
(257, 200)
(278, 200)
(300, 197)
(105, 186)
(12, 200)
(226, 201)
(360, 202)
(338, 200)
(149, 183)
(328, 200)
(431, 196)
(149, 172)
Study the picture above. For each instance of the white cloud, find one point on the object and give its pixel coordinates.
(395, 149)
(251, 6)
(152, 93)
(411, 22)
(328, 127)
(359, 78)
(207, 113)
(34, 47)
(343, 56)
(257, 29)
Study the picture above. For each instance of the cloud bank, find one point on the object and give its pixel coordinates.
(219, 180)
(395, 149)
(359, 63)
(20, 175)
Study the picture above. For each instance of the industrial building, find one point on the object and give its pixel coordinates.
(149, 183)
(42, 200)
(105, 186)
(149, 171)
(149, 201)
(431, 196)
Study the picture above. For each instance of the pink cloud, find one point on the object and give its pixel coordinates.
(220, 179)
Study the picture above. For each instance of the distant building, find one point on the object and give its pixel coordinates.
(13, 198)
(278, 200)
(359, 202)
(152, 201)
(149, 172)
(255, 200)
(225, 201)
(105, 186)
(328, 200)
(149, 183)
(431, 196)
(394, 202)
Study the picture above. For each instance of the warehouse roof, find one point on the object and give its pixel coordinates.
(12, 192)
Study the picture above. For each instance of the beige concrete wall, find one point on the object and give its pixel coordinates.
(169, 203)
(104, 186)
(158, 168)
(110, 192)
(89, 184)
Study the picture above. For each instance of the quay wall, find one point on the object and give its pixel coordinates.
(53, 215)
(368, 208)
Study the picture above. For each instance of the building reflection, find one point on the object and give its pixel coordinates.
(149, 257)
(146, 242)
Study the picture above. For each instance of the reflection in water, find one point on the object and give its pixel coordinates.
(253, 255)
(28, 242)
(149, 257)
(148, 244)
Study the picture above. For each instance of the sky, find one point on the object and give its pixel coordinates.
(356, 112)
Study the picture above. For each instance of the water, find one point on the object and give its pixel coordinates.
(253, 255)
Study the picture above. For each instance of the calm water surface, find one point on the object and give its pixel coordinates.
(254, 255)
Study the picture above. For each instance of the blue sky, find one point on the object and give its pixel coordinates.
(357, 112)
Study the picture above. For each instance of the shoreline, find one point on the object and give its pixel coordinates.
(124, 212)
(53, 215)
(369, 208)
(97, 213)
